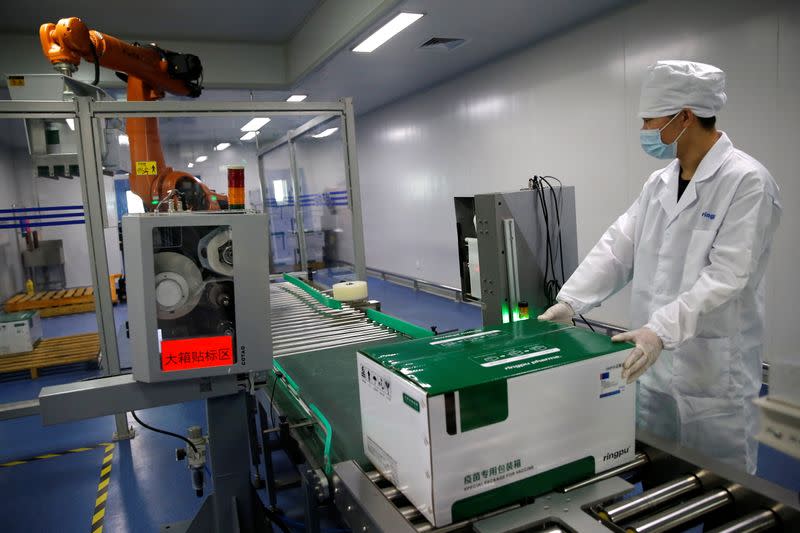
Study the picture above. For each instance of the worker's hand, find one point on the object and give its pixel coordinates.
(560, 312)
(648, 348)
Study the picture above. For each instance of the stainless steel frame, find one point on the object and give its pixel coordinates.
(87, 112)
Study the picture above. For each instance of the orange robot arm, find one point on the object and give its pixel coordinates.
(151, 73)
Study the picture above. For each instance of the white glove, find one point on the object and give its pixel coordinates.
(648, 348)
(560, 312)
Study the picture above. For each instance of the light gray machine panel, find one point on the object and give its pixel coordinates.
(198, 294)
(528, 256)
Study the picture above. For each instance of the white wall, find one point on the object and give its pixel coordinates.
(567, 107)
(11, 275)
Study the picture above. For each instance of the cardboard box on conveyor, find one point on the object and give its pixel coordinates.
(470, 422)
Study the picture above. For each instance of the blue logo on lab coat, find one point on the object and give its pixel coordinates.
(709, 216)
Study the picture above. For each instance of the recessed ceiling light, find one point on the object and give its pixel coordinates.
(71, 123)
(255, 124)
(221, 146)
(326, 133)
(201, 158)
(387, 31)
(190, 164)
(123, 140)
(247, 136)
(297, 98)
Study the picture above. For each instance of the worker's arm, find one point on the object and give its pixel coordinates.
(735, 261)
(607, 268)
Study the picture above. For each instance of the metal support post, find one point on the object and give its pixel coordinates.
(230, 463)
(266, 452)
(234, 505)
(91, 177)
(311, 500)
(354, 184)
(298, 210)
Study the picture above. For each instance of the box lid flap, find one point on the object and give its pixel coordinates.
(14, 317)
(455, 361)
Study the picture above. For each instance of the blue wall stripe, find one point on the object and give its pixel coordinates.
(41, 224)
(26, 217)
(30, 209)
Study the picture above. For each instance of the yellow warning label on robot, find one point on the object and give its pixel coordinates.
(146, 168)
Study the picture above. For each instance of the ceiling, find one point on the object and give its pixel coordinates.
(491, 29)
(395, 70)
(263, 21)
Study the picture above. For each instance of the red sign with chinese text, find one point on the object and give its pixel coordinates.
(198, 352)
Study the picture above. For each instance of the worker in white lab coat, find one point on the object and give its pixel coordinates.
(695, 245)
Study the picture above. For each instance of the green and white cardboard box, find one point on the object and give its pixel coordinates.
(19, 332)
(469, 422)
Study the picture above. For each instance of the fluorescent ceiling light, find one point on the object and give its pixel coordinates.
(221, 146)
(190, 164)
(297, 98)
(201, 158)
(123, 140)
(326, 133)
(71, 123)
(387, 31)
(255, 124)
(247, 136)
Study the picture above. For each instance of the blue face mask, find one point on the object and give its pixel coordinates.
(653, 145)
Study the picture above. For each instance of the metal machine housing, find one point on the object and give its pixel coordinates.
(511, 234)
(249, 235)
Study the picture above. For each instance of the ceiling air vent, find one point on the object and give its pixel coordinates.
(442, 43)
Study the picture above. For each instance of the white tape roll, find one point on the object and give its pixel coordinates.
(350, 291)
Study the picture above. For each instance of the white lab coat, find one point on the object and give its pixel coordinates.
(697, 267)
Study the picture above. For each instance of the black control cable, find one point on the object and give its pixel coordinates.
(164, 432)
(96, 81)
(552, 285)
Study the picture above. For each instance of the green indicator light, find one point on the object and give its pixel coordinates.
(213, 198)
(504, 310)
(154, 202)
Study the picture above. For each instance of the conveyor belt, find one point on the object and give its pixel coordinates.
(300, 323)
(315, 340)
(320, 384)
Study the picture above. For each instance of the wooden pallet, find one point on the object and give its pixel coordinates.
(53, 352)
(56, 303)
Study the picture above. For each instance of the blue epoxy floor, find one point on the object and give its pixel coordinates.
(148, 487)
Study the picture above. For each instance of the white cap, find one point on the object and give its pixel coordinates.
(670, 86)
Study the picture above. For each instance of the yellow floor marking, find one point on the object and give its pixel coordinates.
(47, 456)
(100, 499)
(13, 463)
(103, 484)
(98, 515)
(76, 450)
(107, 458)
(105, 471)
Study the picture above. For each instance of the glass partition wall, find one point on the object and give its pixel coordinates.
(299, 166)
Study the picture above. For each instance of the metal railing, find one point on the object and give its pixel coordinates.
(430, 287)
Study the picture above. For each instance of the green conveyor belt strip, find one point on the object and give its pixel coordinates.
(286, 375)
(327, 301)
(413, 331)
(328, 438)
